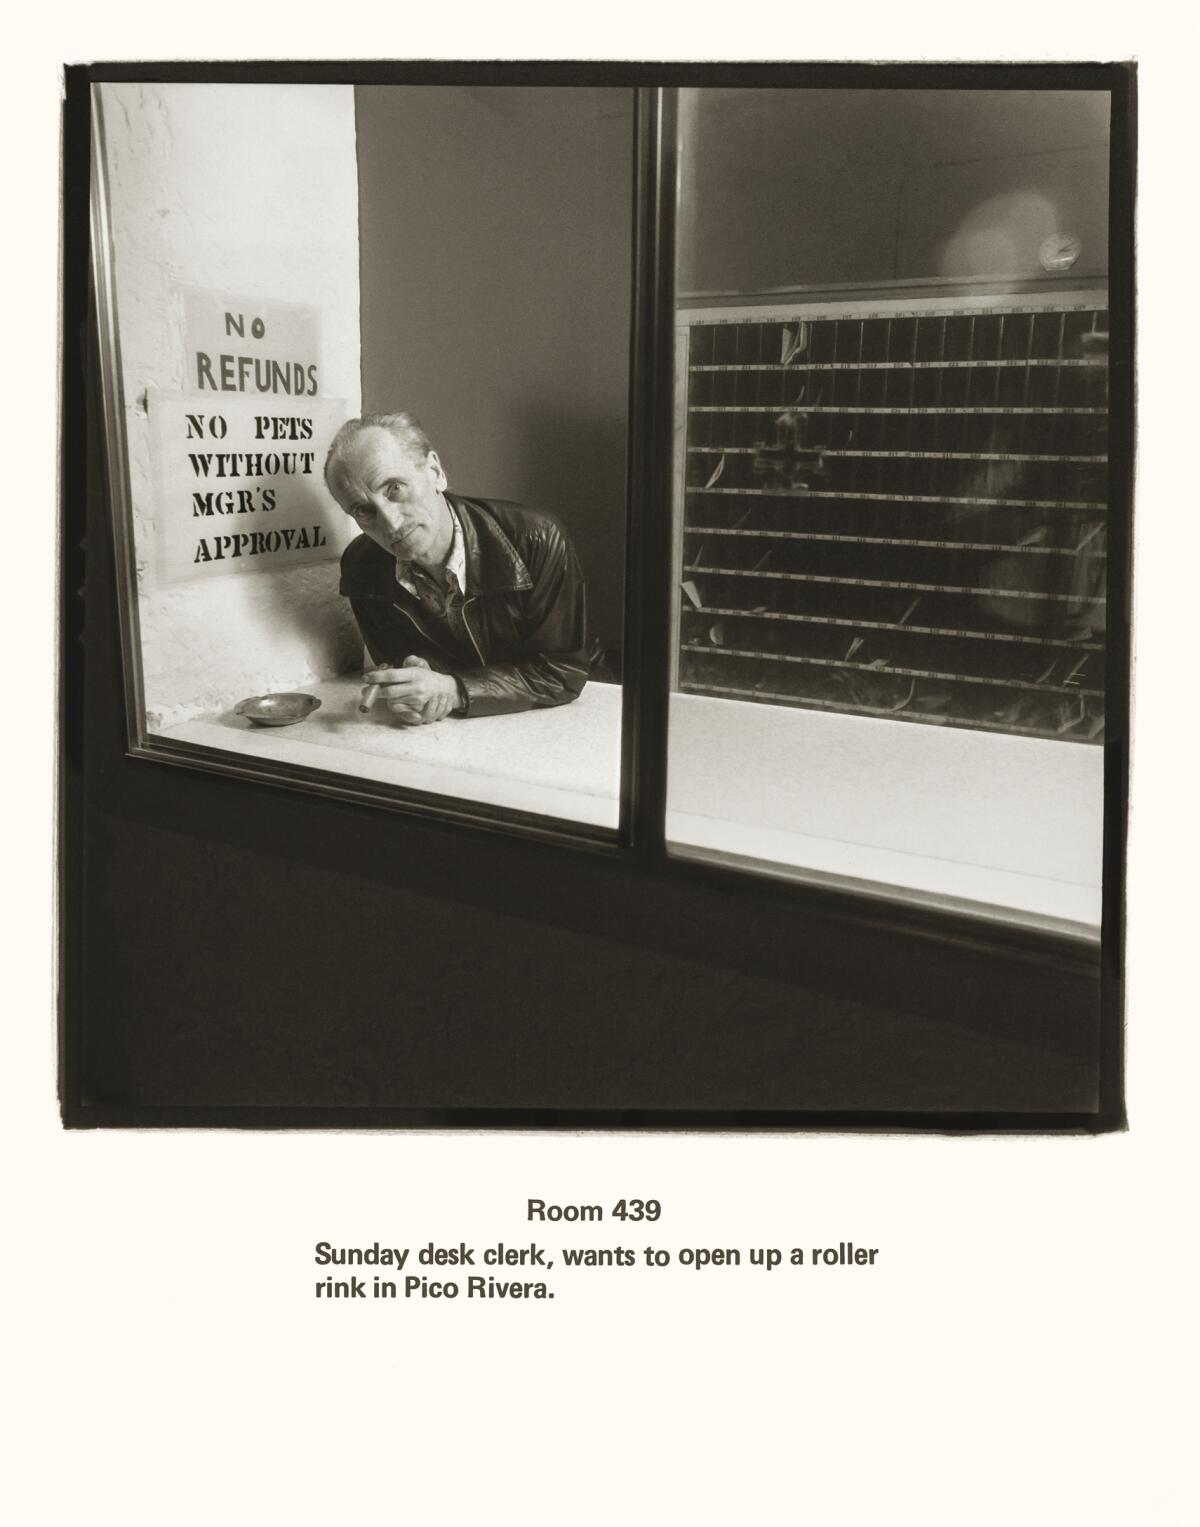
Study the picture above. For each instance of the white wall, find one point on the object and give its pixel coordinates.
(249, 189)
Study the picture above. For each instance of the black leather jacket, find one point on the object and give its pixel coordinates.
(524, 609)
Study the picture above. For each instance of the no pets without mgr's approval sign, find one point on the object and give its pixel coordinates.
(238, 459)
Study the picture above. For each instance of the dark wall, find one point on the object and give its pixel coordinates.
(496, 228)
(838, 186)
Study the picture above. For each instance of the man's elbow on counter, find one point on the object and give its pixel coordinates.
(497, 693)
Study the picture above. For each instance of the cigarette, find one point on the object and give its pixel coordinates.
(368, 698)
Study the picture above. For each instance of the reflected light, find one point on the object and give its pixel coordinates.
(1002, 234)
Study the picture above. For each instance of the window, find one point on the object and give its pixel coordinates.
(247, 243)
(891, 494)
(890, 518)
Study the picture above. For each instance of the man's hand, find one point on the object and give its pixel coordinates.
(415, 693)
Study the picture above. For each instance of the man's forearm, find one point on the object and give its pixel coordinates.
(547, 679)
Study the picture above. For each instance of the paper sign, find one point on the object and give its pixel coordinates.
(240, 483)
(243, 344)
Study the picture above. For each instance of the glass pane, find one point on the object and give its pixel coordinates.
(367, 371)
(891, 492)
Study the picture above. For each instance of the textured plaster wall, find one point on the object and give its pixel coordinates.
(250, 190)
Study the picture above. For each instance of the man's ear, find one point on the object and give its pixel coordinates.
(439, 472)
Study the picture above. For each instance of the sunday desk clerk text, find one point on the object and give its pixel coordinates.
(468, 606)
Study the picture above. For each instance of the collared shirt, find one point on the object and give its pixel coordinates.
(442, 604)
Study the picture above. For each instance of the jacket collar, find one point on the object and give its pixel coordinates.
(494, 565)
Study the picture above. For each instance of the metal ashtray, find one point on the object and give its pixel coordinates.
(277, 710)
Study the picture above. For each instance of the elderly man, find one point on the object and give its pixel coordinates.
(469, 607)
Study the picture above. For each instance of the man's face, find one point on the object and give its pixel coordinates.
(393, 497)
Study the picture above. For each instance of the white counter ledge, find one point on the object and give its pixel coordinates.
(1007, 827)
(563, 761)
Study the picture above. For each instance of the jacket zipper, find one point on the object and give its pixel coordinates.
(429, 636)
(466, 622)
(417, 626)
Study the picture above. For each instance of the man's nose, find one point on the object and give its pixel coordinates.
(386, 511)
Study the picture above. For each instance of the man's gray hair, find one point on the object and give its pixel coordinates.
(404, 426)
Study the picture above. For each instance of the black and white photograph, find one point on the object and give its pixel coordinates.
(690, 519)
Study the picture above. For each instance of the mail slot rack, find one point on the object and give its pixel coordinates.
(898, 510)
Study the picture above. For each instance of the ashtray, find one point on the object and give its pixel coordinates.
(277, 710)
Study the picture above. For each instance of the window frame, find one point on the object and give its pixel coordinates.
(640, 838)
(143, 745)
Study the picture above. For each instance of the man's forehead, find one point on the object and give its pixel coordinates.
(371, 454)
(373, 447)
